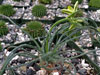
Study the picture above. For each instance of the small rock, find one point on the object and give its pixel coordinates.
(84, 65)
(36, 67)
(41, 72)
(82, 72)
(23, 68)
(55, 73)
(15, 58)
(75, 61)
(21, 60)
(30, 72)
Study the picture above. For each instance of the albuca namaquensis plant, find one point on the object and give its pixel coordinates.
(45, 1)
(35, 29)
(7, 10)
(39, 10)
(48, 54)
(71, 15)
(3, 28)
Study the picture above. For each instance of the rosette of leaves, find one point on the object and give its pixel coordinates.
(3, 28)
(71, 11)
(49, 52)
(39, 10)
(74, 1)
(7, 10)
(45, 1)
(75, 22)
(35, 29)
(95, 3)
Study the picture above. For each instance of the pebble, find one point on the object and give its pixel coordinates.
(64, 3)
(55, 73)
(16, 57)
(6, 52)
(95, 15)
(82, 72)
(36, 67)
(41, 72)
(84, 65)
(60, 14)
(75, 61)
(53, 5)
(14, 3)
(3, 44)
(18, 14)
(22, 60)
(30, 72)
(84, 4)
(23, 68)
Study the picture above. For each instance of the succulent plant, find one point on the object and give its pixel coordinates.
(71, 10)
(74, 1)
(35, 29)
(39, 10)
(45, 1)
(7, 10)
(95, 3)
(3, 28)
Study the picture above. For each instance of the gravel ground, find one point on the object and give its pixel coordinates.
(15, 36)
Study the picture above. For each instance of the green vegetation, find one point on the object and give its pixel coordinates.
(79, 13)
(35, 29)
(95, 3)
(74, 21)
(45, 1)
(39, 10)
(74, 1)
(7, 10)
(3, 28)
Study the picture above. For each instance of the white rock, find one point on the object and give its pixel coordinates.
(41, 72)
(55, 73)
(84, 65)
(85, 6)
(6, 52)
(3, 44)
(8, 36)
(36, 54)
(15, 58)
